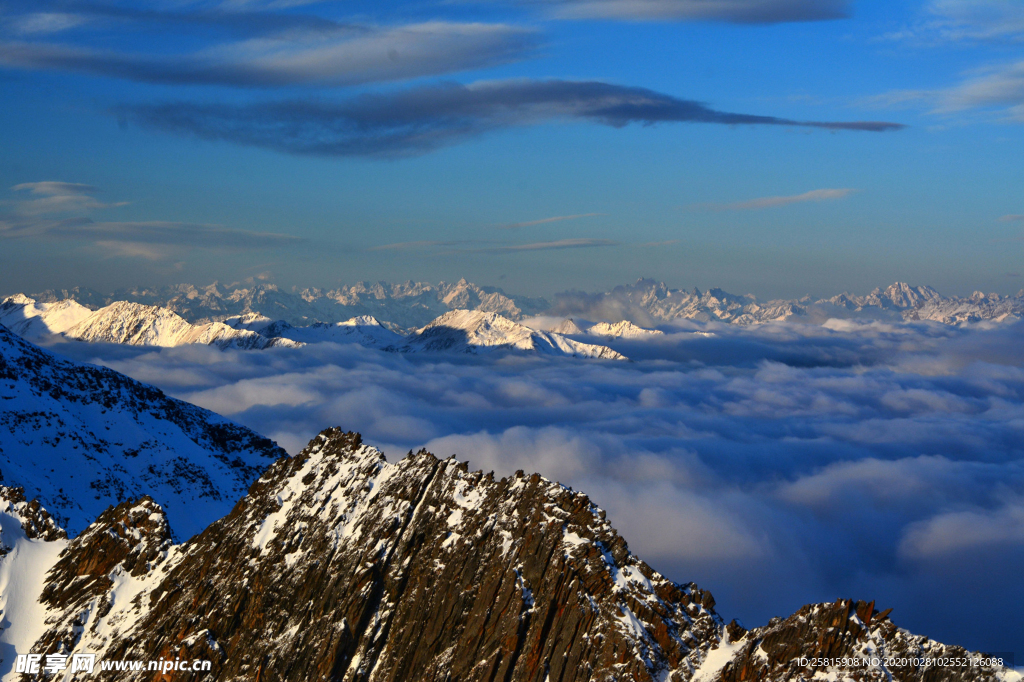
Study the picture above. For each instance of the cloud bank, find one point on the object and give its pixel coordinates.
(876, 460)
(423, 119)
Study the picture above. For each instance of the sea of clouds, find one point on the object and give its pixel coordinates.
(775, 465)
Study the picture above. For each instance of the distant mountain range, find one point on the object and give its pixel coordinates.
(409, 306)
(261, 316)
(413, 305)
(457, 331)
(339, 565)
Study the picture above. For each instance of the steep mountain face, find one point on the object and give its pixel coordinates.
(473, 331)
(80, 438)
(341, 566)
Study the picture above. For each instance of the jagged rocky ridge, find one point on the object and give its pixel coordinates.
(341, 566)
(80, 438)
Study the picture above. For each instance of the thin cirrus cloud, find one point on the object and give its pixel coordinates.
(409, 246)
(1012, 218)
(943, 21)
(815, 195)
(543, 221)
(998, 89)
(473, 247)
(170, 233)
(59, 197)
(1002, 88)
(582, 243)
(422, 119)
(347, 57)
(730, 11)
(247, 20)
(60, 211)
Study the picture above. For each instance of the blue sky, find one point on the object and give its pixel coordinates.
(778, 147)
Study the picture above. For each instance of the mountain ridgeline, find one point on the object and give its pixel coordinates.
(413, 305)
(338, 565)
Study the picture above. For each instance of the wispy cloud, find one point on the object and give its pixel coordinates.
(419, 120)
(559, 244)
(408, 246)
(344, 57)
(945, 21)
(996, 89)
(1012, 218)
(777, 201)
(34, 219)
(47, 22)
(731, 11)
(999, 87)
(59, 197)
(542, 221)
(170, 233)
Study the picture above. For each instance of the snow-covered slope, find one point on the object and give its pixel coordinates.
(473, 331)
(141, 325)
(621, 330)
(340, 565)
(33, 320)
(123, 322)
(81, 437)
(364, 330)
(567, 327)
(30, 542)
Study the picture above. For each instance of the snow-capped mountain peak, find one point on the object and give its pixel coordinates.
(621, 330)
(475, 331)
(31, 319)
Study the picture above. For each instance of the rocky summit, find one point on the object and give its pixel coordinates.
(338, 565)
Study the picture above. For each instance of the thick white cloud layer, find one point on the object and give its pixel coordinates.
(774, 465)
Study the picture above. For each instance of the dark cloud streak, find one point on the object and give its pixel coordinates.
(729, 11)
(420, 120)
